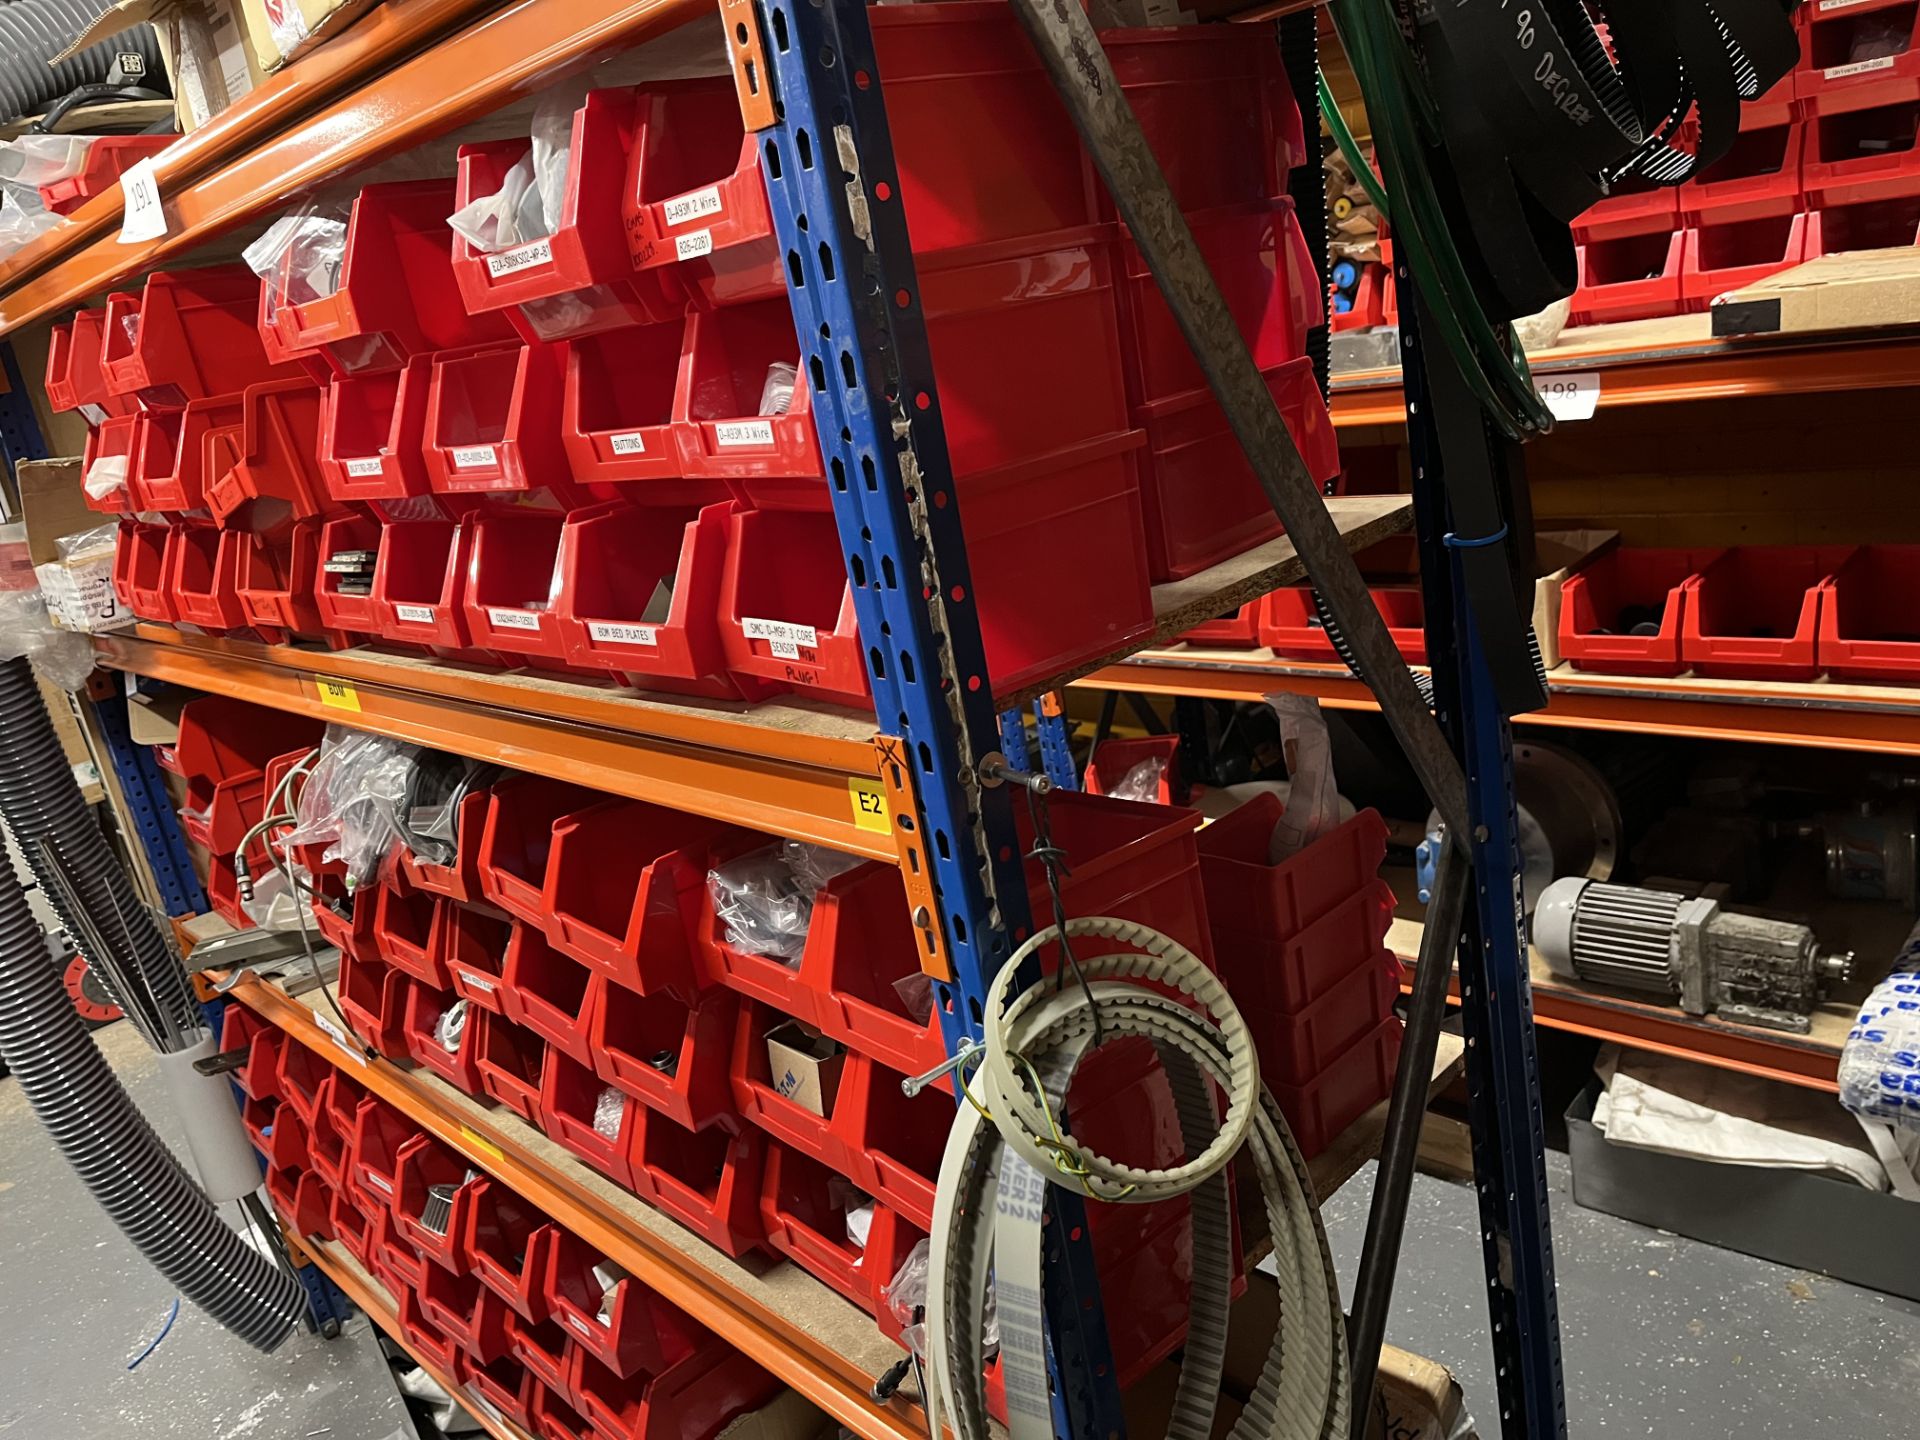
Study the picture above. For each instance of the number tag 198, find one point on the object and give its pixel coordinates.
(1569, 396)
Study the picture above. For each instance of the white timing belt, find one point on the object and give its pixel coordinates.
(1002, 1167)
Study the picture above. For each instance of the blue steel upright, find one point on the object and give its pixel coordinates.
(833, 189)
(19, 426)
(155, 823)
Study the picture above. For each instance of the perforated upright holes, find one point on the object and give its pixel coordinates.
(771, 158)
(847, 371)
(940, 844)
(926, 758)
(906, 667)
(827, 58)
(839, 469)
(780, 30)
(879, 663)
(795, 275)
(886, 572)
(868, 473)
(740, 33)
(826, 261)
(803, 143)
(858, 568)
(819, 372)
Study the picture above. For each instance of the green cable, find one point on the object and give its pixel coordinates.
(1404, 122)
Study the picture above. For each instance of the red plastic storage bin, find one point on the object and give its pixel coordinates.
(336, 1114)
(1251, 897)
(575, 1105)
(203, 572)
(75, 380)
(1340, 1094)
(259, 1074)
(472, 943)
(624, 887)
(277, 579)
(544, 1348)
(1653, 211)
(508, 1386)
(424, 1338)
(1857, 54)
(720, 424)
(505, 1242)
(381, 1133)
(493, 420)
(109, 448)
(1637, 278)
(373, 997)
(693, 1399)
(554, 1415)
(140, 569)
(418, 577)
(223, 750)
(403, 933)
(460, 1066)
(301, 1202)
(187, 336)
(1754, 613)
(468, 1314)
(624, 1325)
(1874, 225)
(804, 1207)
(511, 1060)
(639, 595)
(617, 410)
(342, 921)
(1199, 497)
(349, 614)
(1113, 760)
(513, 582)
(420, 1164)
(301, 1075)
(1289, 975)
(581, 278)
(1759, 177)
(1867, 629)
(461, 880)
(1266, 273)
(372, 433)
(273, 474)
(1621, 613)
(1863, 153)
(517, 840)
(1290, 622)
(351, 1227)
(1041, 610)
(552, 994)
(395, 296)
(826, 1137)
(1718, 258)
(708, 1180)
(100, 169)
(1296, 1046)
(175, 456)
(669, 1055)
(1237, 630)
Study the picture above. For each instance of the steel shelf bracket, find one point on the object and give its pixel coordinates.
(1056, 748)
(833, 190)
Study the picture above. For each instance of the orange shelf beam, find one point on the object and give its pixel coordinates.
(1825, 717)
(313, 126)
(687, 1272)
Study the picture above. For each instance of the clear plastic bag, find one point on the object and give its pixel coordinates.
(776, 391)
(1880, 1066)
(765, 898)
(85, 544)
(490, 223)
(300, 255)
(105, 477)
(26, 628)
(906, 1297)
(24, 217)
(532, 195)
(608, 1111)
(1142, 782)
(352, 798)
(36, 160)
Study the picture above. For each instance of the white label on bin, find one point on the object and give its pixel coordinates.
(693, 205)
(379, 1182)
(580, 1325)
(1826, 5)
(478, 982)
(1859, 67)
(472, 457)
(514, 619)
(609, 633)
(521, 257)
(630, 443)
(743, 432)
(1569, 397)
(142, 216)
(692, 247)
(367, 465)
(414, 614)
(784, 639)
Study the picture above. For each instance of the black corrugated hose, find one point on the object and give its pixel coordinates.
(41, 800)
(103, 1135)
(32, 32)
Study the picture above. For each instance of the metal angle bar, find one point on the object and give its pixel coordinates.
(1067, 45)
(833, 189)
(1509, 1149)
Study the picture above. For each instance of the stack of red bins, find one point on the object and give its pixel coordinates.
(1301, 947)
(1858, 90)
(531, 1321)
(231, 756)
(201, 441)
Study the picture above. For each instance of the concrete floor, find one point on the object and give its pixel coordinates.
(1660, 1335)
(77, 1302)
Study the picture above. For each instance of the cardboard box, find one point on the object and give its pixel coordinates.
(805, 1066)
(204, 47)
(280, 30)
(79, 589)
(1560, 553)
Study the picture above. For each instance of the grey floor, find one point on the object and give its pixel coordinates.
(1660, 1335)
(77, 1302)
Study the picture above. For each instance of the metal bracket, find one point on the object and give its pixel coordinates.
(747, 49)
(916, 871)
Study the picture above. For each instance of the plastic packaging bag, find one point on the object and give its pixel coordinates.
(352, 798)
(608, 1111)
(105, 477)
(532, 194)
(24, 217)
(300, 255)
(906, 1297)
(36, 160)
(1313, 800)
(1880, 1066)
(1142, 782)
(64, 658)
(776, 391)
(765, 898)
(276, 905)
(491, 223)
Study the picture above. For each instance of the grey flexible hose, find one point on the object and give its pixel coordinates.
(112, 1148)
(39, 798)
(32, 32)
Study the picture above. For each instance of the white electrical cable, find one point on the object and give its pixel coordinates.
(995, 1162)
